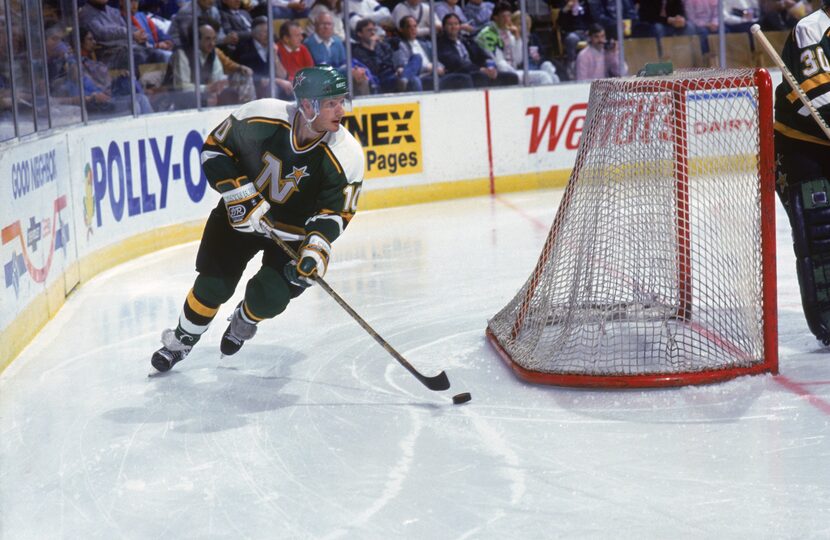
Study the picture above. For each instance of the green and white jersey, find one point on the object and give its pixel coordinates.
(311, 187)
(806, 53)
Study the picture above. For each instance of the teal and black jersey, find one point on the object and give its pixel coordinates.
(806, 54)
(311, 187)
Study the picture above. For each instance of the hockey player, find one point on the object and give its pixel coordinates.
(286, 167)
(803, 163)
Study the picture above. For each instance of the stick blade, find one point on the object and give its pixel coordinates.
(438, 382)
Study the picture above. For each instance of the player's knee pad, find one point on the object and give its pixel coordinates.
(267, 294)
(212, 289)
(809, 213)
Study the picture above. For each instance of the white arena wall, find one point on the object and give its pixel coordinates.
(82, 200)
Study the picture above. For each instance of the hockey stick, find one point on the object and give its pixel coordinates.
(437, 382)
(773, 54)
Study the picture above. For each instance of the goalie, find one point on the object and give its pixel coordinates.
(284, 167)
(803, 163)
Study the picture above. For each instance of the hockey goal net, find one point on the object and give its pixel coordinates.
(659, 268)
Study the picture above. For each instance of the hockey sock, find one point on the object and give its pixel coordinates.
(196, 316)
(246, 315)
(201, 305)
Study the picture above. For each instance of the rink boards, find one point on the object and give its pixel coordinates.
(86, 199)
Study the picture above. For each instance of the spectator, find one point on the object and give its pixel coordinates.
(335, 8)
(535, 62)
(574, 19)
(152, 9)
(107, 26)
(604, 12)
(103, 95)
(478, 13)
(213, 82)
(253, 52)
(162, 9)
(663, 18)
(501, 40)
(293, 54)
(460, 54)
(59, 56)
(327, 48)
(740, 15)
(110, 30)
(324, 46)
(289, 9)
(240, 77)
(373, 53)
(445, 7)
(598, 61)
(419, 11)
(369, 9)
(410, 46)
(6, 118)
(62, 68)
(153, 36)
(181, 24)
(236, 24)
(780, 15)
(703, 14)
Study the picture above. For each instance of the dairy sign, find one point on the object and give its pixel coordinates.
(638, 120)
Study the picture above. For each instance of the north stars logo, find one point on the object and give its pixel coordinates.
(297, 174)
(290, 183)
(282, 187)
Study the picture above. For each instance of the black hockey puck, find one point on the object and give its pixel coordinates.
(463, 397)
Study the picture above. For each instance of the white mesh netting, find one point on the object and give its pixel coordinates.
(653, 264)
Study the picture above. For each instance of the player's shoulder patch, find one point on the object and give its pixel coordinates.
(268, 109)
(347, 154)
(811, 29)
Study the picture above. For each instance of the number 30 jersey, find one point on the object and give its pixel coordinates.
(806, 53)
(311, 187)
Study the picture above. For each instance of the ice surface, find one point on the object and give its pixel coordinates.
(313, 431)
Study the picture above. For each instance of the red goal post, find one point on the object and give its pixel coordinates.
(659, 268)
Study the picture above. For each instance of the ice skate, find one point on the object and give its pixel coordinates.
(173, 351)
(239, 330)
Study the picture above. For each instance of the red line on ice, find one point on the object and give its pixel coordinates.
(537, 223)
(801, 390)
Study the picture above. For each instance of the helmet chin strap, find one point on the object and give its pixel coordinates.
(308, 121)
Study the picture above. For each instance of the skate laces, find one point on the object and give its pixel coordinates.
(172, 343)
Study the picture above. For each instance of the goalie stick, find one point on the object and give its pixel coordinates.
(773, 54)
(437, 382)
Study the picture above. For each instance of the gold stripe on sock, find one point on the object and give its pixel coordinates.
(251, 316)
(199, 307)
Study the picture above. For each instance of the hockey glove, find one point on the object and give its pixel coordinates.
(314, 254)
(246, 209)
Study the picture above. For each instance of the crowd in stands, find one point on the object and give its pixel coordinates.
(591, 25)
(232, 60)
(224, 56)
